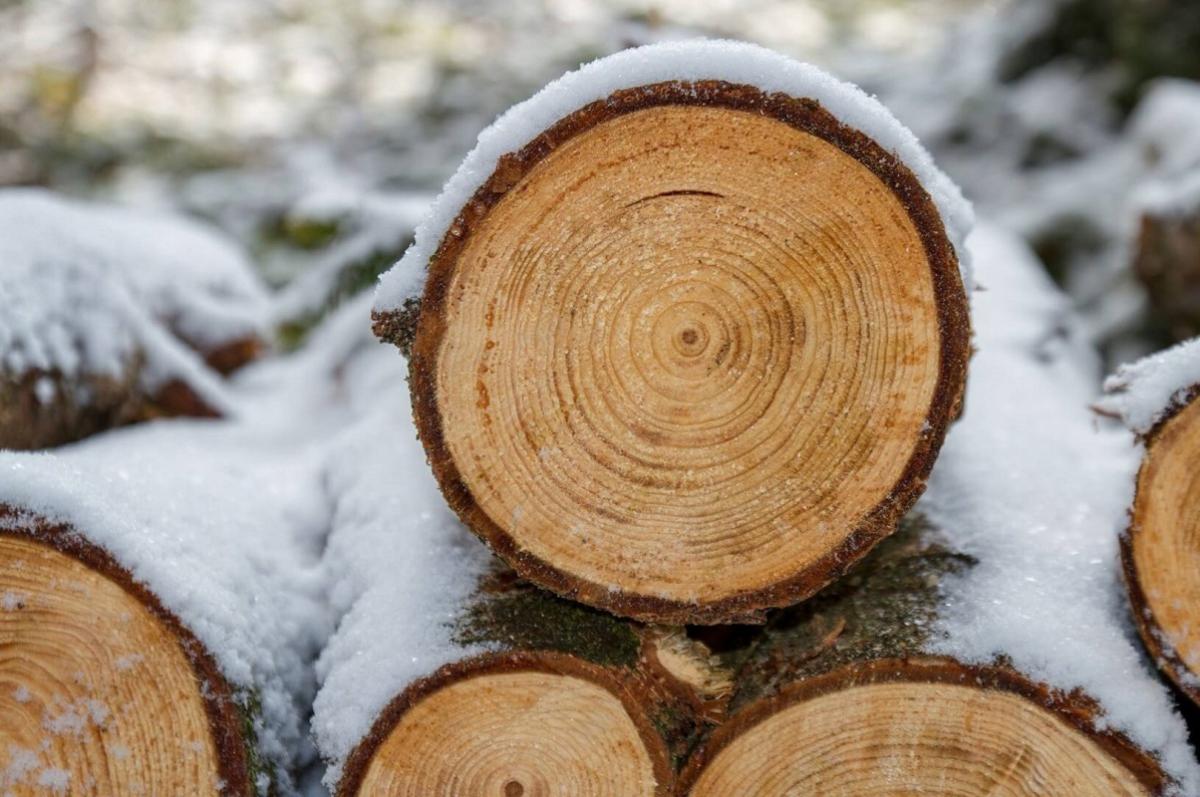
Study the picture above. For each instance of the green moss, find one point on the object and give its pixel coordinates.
(521, 617)
(249, 706)
(310, 233)
(886, 607)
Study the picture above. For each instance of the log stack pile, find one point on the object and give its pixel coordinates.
(686, 334)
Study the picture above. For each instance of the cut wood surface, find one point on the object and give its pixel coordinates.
(841, 697)
(102, 690)
(690, 353)
(1161, 550)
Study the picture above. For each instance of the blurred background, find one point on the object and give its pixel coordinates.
(317, 132)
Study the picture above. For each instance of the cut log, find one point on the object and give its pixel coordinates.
(158, 618)
(1161, 551)
(692, 350)
(840, 697)
(1158, 399)
(570, 700)
(104, 691)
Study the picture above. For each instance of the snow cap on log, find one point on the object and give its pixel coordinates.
(685, 62)
(209, 531)
(1144, 393)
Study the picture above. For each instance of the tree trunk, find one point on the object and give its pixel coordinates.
(690, 353)
(568, 700)
(1158, 552)
(1167, 261)
(840, 697)
(103, 690)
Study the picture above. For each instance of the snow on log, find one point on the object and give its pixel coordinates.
(157, 622)
(981, 647)
(1157, 398)
(111, 315)
(449, 675)
(692, 330)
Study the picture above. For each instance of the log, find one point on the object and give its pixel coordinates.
(157, 622)
(567, 700)
(841, 696)
(692, 347)
(1167, 259)
(110, 316)
(132, 700)
(1157, 399)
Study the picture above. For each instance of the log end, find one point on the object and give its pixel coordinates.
(691, 353)
(1161, 549)
(102, 690)
(512, 725)
(917, 726)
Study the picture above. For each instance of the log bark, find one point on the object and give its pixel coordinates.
(1158, 550)
(40, 409)
(567, 700)
(684, 320)
(840, 697)
(1167, 261)
(103, 690)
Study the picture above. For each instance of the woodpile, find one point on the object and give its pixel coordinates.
(685, 337)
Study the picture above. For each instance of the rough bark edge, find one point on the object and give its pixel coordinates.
(227, 721)
(28, 424)
(1153, 637)
(803, 114)
(358, 762)
(1077, 709)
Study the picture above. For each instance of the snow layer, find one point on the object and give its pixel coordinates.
(687, 61)
(1141, 393)
(213, 527)
(1176, 196)
(87, 288)
(402, 566)
(1030, 486)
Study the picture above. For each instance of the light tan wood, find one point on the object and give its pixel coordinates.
(688, 353)
(1165, 545)
(96, 695)
(887, 739)
(513, 734)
